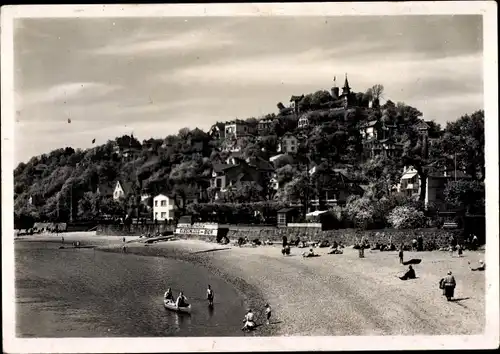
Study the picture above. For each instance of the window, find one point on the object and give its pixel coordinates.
(163, 215)
(156, 216)
(218, 183)
(281, 218)
(163, 203)
(156, 203)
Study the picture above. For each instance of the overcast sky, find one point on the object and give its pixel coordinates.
(153, 76)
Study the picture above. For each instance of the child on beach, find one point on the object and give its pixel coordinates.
(210, 296)
(268, 313)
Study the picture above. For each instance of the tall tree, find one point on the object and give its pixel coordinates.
(462, 143)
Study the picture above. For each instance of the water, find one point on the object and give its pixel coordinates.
(88, 293)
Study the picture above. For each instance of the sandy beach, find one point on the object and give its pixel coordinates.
(331, 294)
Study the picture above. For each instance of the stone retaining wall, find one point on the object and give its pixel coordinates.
(439, 237)
(133, 230)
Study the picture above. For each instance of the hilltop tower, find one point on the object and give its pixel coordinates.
(335, 89)
(346, 90)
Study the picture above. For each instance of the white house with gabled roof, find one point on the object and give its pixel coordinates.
(163, 208)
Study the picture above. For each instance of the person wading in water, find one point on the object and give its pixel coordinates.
(210, 296)
(249, 322)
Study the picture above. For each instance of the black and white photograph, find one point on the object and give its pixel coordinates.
(248, 177)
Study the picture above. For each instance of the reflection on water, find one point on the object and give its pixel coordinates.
(88, 293)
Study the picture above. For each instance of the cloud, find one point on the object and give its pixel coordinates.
(67, 92)
(318, 66)
(192, 40)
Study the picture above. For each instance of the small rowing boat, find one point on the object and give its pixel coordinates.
(170, 305)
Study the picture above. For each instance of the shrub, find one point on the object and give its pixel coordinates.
(406, 217)
(361, 212)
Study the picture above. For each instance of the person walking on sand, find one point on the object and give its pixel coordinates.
(210, 296)
(268, 313)
(124, 240)
(62, 239)
(449, 285)
(460, 250)
(401, 255)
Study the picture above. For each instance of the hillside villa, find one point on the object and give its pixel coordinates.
(410, 184)
(288, 144)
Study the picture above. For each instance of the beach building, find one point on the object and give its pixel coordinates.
(288, 215)
(163, 208)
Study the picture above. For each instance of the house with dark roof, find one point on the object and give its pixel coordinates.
(265, 125)
(239, 128)
(122, 190)
(225, 175)
(217, 131)
(410, 184)
(338, 186)
(234, 158)
(105, 190)
(288, 144)
(387, 147)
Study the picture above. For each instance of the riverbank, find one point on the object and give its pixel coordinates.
(335, 294)
(343, 294)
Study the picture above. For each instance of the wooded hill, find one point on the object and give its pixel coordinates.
(181, 164)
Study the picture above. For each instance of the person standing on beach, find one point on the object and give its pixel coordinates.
(401, 255)
(449, 285)
(268, 313)
(210, 296)
(62, 239)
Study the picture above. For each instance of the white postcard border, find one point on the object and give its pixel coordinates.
(490, 339)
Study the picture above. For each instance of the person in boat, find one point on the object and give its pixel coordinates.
(169, 295)
(181, 300)
(449, 285)
(249, 322)
(410, 274)
(481, 267)
(210, 296)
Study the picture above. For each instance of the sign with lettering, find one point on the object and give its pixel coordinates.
(208, 229)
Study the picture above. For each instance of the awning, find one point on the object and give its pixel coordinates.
(316, 213)
(409, 175)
